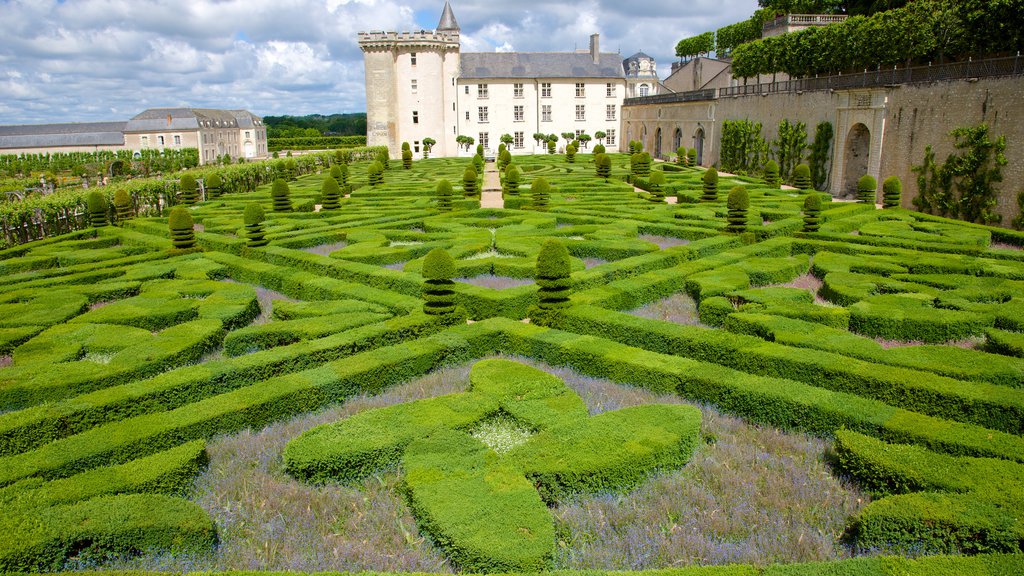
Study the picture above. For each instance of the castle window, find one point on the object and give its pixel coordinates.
(517, 140)
(145, 141)
(644, 89)
(609, 90)
(467, 115)
(545, 90)
(416, 146)
(413, 84)
(545, 113)
(485, 140)
(415, 117)
(177, 139)
(581, 112)
(517, 113)
(482, 114)
(412, 59)
(610, 137)
(610, 112)
(481, 90)
(467, 88)
(517, 90)
(581, 89)
(160, 140)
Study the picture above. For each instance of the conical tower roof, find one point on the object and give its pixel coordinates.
(448, 22)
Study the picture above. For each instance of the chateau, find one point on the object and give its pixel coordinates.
(420, 85)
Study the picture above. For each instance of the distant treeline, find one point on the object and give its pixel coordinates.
(315, 142)
(314, 125)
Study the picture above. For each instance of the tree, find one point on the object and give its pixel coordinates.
(330, 194)
(866, 187)
(281, 196)
(584, 139)
(540, 138)
(507, 139)
(819, 158)
(180, 222)
(738, 202)
(570, 154)
(568, 136)
(812, 211)
(253, 218)
(444, 195)
(539, 194)
(600, 135)
(438, 287)
(710, 180)
(428, 144)
(510, 185)
(789, 146)
(375, 173)
(97, 205)
(406, 156)
(188, 189)
(214, 185)
(802, 177)
(696, 45)
(603, 166)
(470, 184)
(892, 189)
(123, 206)
(554, 281)
(657, 185)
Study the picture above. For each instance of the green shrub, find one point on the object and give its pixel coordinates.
(570, 154)
(602, 165)
(640, 164)
(375, 173)
(470, 182)
(406, 156)
(540, 192)
(123, 206)
(892, 190)
(554, 281)
(713, 311)
(504, 159)
(444, 194)
(383, 158)
(330, 194)
(478, 163)
(599, 149)
(812, 213)
(254, 217)
(340, 173)
(771, 174)
(281, 196)
(291, 168)
(691, 157)
(513, 177)
(866, 188)
(657, 185)
(96, 203)
(188, 189)
(283, 332)
(737, 203)
(438, 287)
(911, 317)
(681, 158)
(183, 236)
(214, 185)
(710, 189)
(552, 146)
(802, 177)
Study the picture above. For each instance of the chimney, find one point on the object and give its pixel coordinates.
(595, 50)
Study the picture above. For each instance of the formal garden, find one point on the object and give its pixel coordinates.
(341, 362)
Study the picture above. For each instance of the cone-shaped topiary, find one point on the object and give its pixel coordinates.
(681, 156)
(291, 169)
(123, 206)
(470, 182)
(552, 146)
(657, 182)
(280, 170)
(97, 205)
(281, 195)
(444, 195)
(254, 217)
(478, 163)
(640, 164)
(188, 189)
(570, 154)
(691, 157)
(738, 203)
(340, 173)
(330, 193)
(438, 288)
(504, 159)
(375, 173)
(802, 177)
(554, 281)
(771, 174)
(892, 189)
(710, 193)
(599, 149)
(812, 212)
(336, 173)
(603, 165)
(382, 158)
(636, 147)
(480, 150)
(214, 185)
(540, 192)
(513, 177)
(406, 156)
(866, 187)
(183, 237)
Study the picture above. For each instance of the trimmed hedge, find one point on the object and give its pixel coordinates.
(283, 332)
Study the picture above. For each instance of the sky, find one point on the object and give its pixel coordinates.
(92, 60)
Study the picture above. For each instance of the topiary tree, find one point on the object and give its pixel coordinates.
(892, 189)
(188, 189)
(123, 206)
(802, 177)
(600, 135)
(552, 146)
(554, 281)
(478, 162)
(480, 150)
(681, 156)
(771, 174)
(438, 287)
(444, 195)
(375, 173)
(383, 159)
(599, 149)
(539, 194)
(281, 196)
(507, 140)
(738, 203)
(504, 159)
(657, 183)
(253, 217)
(635, 147)
(96, 203)
(291, 168)
(603, 165)
(428, 143)
(812, 212)
(570, 154)
(710, 193)
(691, 157)
(214, 185)
(470, 184)
(330, 194)
(183, 237)
(640, 164)
(406, 156)
(340, 173)
(510, 185)
(866, 187)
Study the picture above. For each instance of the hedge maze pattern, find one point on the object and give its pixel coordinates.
(123, 349)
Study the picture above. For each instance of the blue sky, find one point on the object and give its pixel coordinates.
(85, 60)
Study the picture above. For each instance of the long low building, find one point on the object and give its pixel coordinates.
(236, 133)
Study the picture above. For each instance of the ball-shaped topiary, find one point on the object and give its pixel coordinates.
(375, 173)
(657, 185)
(603, 165)
(710, 190)
(771, 174)
(552, 146)
(253, 217)
(444, 195)
(188, 189)
(180, 222)
(330, 194)
(738, 202)
(599, 149)
(513, 177)
(570, 154)
(438, 288)
(470, 182)
(281, 196)
(812, 213)
(214, 185)
(540, 192)
(123, 206)
(554, 281)
(96, 203)
(892, 189)
(802, 177)
(866, 187)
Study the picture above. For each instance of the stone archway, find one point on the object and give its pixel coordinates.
(698, 143)
(856, 151)
(677, 139)
(657, 143)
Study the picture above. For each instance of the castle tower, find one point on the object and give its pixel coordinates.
(410, 86)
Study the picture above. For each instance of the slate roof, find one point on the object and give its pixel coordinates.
(486, 65)
(448, 23)
(170, 119)
(72, 134)
(638, 56)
